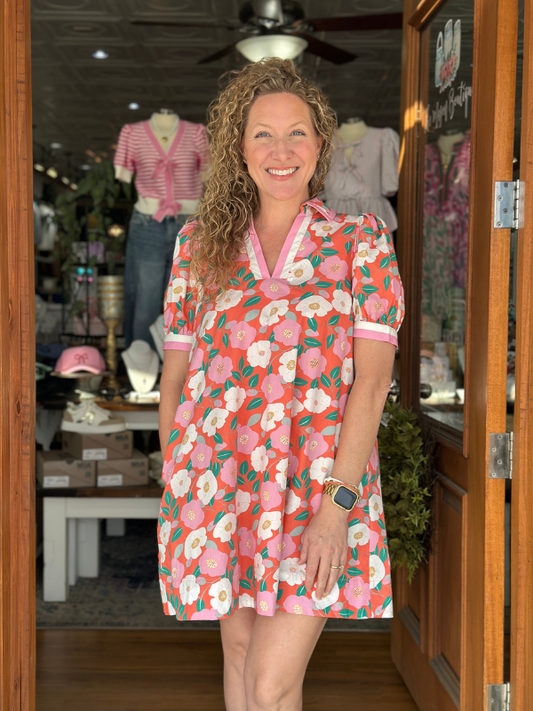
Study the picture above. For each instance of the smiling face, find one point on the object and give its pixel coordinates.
(281, 147)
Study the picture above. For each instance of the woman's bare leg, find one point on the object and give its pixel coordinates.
(236, 632)
(277, 658)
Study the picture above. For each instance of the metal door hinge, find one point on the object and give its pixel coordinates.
(501, 455)
(508, 204)
(499, 697)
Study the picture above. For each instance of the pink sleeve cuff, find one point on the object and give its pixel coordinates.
(176, 346)
(376, 336)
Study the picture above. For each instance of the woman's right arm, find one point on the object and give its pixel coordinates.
(175, 367)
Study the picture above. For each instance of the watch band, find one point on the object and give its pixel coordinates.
(331, 489)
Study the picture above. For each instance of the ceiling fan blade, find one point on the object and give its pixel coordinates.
(389, 21)
(326, 50)
(218, 55)
(160, 23)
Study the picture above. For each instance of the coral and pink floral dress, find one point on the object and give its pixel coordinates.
(259, 420)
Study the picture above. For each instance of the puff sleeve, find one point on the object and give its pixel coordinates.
(180, 299)
(124, 159)
(390, 155)
(378, 305)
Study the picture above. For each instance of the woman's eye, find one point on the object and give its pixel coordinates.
(261, 134)
(298, 132)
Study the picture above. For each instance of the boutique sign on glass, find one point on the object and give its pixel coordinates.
(447, 63)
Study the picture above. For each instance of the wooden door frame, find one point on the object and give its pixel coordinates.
(17, 369)
(495, 27)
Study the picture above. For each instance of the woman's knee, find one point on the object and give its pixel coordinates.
(268, 690)
(236, 633)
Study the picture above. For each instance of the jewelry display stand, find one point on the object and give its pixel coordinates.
(142, 364)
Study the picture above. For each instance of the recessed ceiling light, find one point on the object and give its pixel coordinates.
(55, 146)
(39, 167)
(133, 106)
(86, 166)
(74, 186)
(65, 180)
(100, 54)
(52, 172)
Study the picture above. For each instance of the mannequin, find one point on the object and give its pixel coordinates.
(142, 364)
(446, 142)
(352, 130)
(157, 329)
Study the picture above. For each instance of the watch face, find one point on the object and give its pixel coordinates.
(345, 498)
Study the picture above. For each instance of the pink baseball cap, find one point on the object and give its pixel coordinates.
(79, 359)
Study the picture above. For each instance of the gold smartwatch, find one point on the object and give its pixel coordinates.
(342, 496)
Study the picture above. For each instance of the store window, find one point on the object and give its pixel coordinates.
(445, 202)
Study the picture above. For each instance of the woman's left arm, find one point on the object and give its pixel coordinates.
(325, 541)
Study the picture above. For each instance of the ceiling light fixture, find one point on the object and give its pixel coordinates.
(282, 46)
(55, 146)
(39, 167)
(134, 106)
(100, 54)
(65, 180)
(52, 172)
(74, 186)
(86, 166)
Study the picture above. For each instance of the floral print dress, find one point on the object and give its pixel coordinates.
(258, 425)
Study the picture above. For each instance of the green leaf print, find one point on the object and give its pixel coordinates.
(251, 475)
(369, 289)
(255, 486)
(361, 298)
(247, 371)
(173, 435)
(221, 321)
(362, 614)
(301, 441)
(228, 385)
(312, 342)
(240, 480)
(386, 282)
(334, 320)
(383, 554)
(332, 416)
(365, 271)
(301, 591)
(168, 498)
(323, 284)
(219, 515)
(250, 572)
(299, 382)
(305, 421)
(255, 509)
(215, 393)
(346, 613)
(326, 382)
(181, 612)
(329, 252)
(200, 605)
(263, 586)
(243, 583)
(315, 261)
(248, 276)
(302, 516)
(225, 454)
(177, 533)
(228, 498)
(236, 374)
(234, 422)
(312, 323)
(241, 363)
(253, 381)
(348, 230)
(384, 262)
(296, 482)
(165, 510)
(308, 493)
(378, 587)
(176, 513)
(225, 339)
(329, 340)
(256, 402)
(218, 438)
(189, 497)
(166, 571)
(391, 313)
(207, 338)
(386, 602)
(354, 571)
(244, 467)
(251, 301)
(161, 520)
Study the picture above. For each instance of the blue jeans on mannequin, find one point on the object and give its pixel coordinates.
(149, 252)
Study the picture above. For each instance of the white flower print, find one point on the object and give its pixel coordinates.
(177, 289)
(321, 468)
(259, 354)
(291, 572)
(342, 301)
(358, 535)
(228, 299)
(195, 542)
(197, 385)
(272, 312)
(296, 407)
(313, 306)
(347, 371)
(207, 486)
(246, 600)
(214, 421)
(259, 458)
(164, 533)
(376, 570)
(221, 596)
(382, 244)
(272, 414)
(300, 272)
(375, 505)
(287, 367)
(365, 254)
(207, 324)
(180, 483)
(292, 502)
(259, 568)
(316, 400)
(163, 589)
(189, 590)
(225, 527)
(162, 552)
(269, 522)
(325, 229)
(234, 398)
(337, 433)
(281, 474)
(242, 501)
(326, 600)
(188, 439)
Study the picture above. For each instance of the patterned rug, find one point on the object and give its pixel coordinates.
(126, 593)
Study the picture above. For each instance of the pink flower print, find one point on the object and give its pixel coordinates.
(281, 546)
(287, 332)
(197, 359)
(374, 458)
(177, 571)
(315, 502)
(357, 592)
(315, 445)
(274, 288)
(373, 540)
(305, 249)
(242, 335)
(266, 603)
(192, 515)
(280, 438)
(376, 306)
(342, 403)
(269, 495)
(246, 439)
(272, 387)
(396, 288)
(201, 456)
(293, 464)
(334, 268)
(205, 614)
(228, 473)
(298, 605)
(246, 542)
(312, 363)
(213, 562)
(185, 413)
(342, 345)
(236, 578)
(169, 317)
(220, 369)
(167, 469)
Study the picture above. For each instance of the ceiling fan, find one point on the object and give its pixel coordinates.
(263, 18)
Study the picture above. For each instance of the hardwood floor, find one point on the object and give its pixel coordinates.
(139, 670)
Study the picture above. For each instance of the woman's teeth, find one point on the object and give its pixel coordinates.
(288, 171)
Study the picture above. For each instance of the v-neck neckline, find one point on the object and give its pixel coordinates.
(173, 145)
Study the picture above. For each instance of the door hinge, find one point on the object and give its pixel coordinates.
(508, 204)
(501, 455)
(499, 697)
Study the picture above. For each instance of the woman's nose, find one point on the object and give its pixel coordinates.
(281, 149)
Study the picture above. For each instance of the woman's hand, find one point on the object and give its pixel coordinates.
(325, 543)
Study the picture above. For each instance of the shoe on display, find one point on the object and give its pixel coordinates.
(87, 418)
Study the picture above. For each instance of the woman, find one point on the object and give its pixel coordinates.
(274, 303)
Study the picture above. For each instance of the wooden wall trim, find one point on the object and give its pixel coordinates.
(522, 492)
(17, 369)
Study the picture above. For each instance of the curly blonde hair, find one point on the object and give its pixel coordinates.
(231, 196)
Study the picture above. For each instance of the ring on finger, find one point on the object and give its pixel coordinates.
(337, 567)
